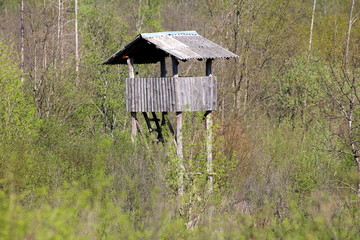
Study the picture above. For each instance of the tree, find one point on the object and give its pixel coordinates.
(17, 114)
(344, 94)
(352, 20)
(22, 29)
(311, 26)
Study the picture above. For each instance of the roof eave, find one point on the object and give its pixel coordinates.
(118, 53)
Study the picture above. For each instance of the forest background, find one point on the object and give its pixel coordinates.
(287, 144)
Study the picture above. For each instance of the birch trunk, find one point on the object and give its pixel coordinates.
(59, 31)
(22, 33)
(348, 33)
(77, 58)
(312, 26)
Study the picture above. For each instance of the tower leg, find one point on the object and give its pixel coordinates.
(209, 160)
(133, 126)
(179, 152)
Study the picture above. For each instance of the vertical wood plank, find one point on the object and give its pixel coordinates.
(157, 94)
(174, 95)
(133, 94)
(163, 80)
(127, 93)
(151, 95)
(214, 93)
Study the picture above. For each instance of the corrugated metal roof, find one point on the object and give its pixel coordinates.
(184, 45)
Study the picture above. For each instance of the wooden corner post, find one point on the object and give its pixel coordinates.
(208, 124)
(179, 143)
(130, 64)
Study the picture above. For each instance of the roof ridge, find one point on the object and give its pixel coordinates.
(167, 33)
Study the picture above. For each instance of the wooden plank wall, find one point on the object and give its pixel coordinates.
(171, 94)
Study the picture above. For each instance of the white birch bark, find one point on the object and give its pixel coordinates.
(77, 58)
(22, 33)
(312, 26)
(351, 22)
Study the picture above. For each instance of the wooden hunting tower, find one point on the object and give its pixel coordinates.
(171, 93)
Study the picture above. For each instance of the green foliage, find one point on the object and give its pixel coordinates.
(68, 169)
(300, 90)
(17, 115)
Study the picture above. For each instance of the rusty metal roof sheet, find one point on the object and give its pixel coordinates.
(184, 45)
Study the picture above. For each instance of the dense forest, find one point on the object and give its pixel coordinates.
(286, 132)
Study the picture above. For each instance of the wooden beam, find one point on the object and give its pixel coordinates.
(147, 120)
(165, 121)
(208, 124)
(178, 137)
(133, 126)
(163, 68)
(130, 63)
(209, 158)
(175, 66)
(208, 67)
(158, 127)
(179, 153)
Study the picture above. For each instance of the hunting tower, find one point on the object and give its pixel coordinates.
(172, 93)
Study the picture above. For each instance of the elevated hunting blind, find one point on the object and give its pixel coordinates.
(171, 93)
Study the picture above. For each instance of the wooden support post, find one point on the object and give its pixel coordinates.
(175, 66)
(163, 68)
(130, 63)
(165, 121)
(208, 67)
(133, 126)
(209, 162)
(179, 143)
(158, 127)
(147, 120)
(179, 153)
(208, 124)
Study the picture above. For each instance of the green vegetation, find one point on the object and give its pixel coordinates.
(286, 134)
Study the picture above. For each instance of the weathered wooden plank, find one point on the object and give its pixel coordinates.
(173, 92)
(165, 87)
(213, 96)
(163, 95)
(151, 94)
(158, 95)
(133, 94)
(173, 95)
(127, 90)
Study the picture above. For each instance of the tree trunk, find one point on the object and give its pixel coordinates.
(77, 58)
(22, 33)
(311, 26)
(348, 34)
